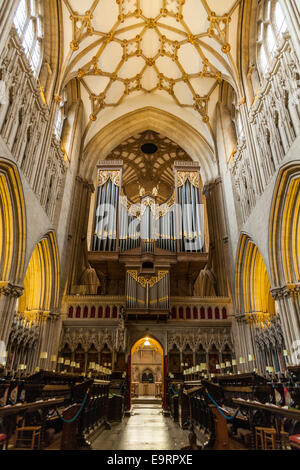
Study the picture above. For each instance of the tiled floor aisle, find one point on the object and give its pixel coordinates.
(146, 429)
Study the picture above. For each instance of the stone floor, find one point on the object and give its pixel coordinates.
(145, 429)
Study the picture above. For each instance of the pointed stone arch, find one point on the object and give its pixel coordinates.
(284, 231)
(252, 283)
(112, 135)
(41, 282)
(12, 224)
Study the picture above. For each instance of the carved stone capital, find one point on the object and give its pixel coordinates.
(289, 290)
(11, 290)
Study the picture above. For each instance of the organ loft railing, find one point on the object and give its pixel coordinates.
(175, 226)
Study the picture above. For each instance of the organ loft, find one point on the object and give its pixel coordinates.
(149, 225)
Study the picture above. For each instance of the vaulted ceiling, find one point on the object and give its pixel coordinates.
(148, 162)
(170, 54)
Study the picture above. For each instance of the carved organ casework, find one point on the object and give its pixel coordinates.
(107, 206)
(149, 250)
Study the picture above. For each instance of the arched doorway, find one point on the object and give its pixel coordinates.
(147, 372)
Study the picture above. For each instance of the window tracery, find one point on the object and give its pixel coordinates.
(270, 28)
(28, 21)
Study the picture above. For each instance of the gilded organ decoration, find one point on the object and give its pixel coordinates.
(191, 176)
(104, 176)
(143, 281)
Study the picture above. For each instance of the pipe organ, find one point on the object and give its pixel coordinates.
(150, 292)
(191, 219)
(145, 250)
(107, 207)
(177, 225)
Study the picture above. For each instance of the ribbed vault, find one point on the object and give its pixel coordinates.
(122, 51)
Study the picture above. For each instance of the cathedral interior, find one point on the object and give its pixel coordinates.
(150, 224)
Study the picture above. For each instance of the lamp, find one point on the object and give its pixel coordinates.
(43, 357)
(147, 342)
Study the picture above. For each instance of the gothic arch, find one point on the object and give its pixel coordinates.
(252, 283)
(12, 224)
(284, 231)
(41, 282)
(112, 135)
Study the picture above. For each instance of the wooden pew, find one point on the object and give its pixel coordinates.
(72, 405)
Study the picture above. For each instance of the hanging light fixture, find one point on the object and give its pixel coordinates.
(147, 342)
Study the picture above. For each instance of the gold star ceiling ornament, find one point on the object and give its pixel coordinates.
(143, 34)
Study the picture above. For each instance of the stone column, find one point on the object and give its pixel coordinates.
(9, 293)
(288, 301)
(218, 236)
(291, 10)
(7, 11)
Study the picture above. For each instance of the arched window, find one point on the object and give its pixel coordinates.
(60, 117)
(59, 123)
(28, 21)
(236, 117)
(270, 27)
